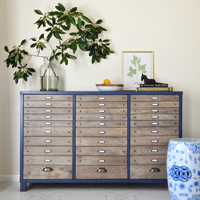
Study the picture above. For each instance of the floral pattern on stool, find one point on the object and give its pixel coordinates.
(183, 169)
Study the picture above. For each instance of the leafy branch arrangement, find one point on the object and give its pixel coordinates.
(136, 61)
(58, 23)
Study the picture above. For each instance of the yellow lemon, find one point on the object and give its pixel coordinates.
(106, 81)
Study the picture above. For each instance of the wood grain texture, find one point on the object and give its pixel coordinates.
(104, 117)
(102, 124)
(47, 104)
(154, 98)
(155, 123)
(154, 105)
(155, 117)
(36, 110)
(101, 98)
(48, 97)
(101, 105)
(152, 110)
(47, 123)
(47, 117)
(101, 111)
(90, 172)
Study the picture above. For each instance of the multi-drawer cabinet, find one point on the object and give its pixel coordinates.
(97, 136)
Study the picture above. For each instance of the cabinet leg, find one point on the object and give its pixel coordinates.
(23, 187)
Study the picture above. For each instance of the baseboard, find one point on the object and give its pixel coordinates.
(9, 178)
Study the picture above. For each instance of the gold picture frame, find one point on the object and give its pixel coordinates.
(134, 64)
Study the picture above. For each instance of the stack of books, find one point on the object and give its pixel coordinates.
(154, 87)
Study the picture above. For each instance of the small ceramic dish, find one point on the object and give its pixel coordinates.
(109, 87)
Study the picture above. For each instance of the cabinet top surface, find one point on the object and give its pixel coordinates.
(100, 93)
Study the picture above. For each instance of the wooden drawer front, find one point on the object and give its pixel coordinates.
(103, 111)
(155, 111)
(43, 131)
(101, 105)
(104, 117)
(153, 140)
(154, 123)
(47, 117)
(154, 105)
(101, 160)
(148, 150)
(142, 131)
(101, 172)
(148, 160)
(49, 97)
(101, 142)
(36, 172)
(47, 104)
(48, 124)
(47, 141)
(97, 124)
(102, 132)
(48, 151)
(48, 160)
(48, 111)
(103, 151)
(154, 97)
(101, 98)
(148, 172)
(155, 117)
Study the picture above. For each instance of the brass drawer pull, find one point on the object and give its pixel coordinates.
(102, 104)
(47, 169)
(47, 151)
(155, 117)
(154, 110)
(154, 131)
(48, 123)
(102, 117)
(102, 132)
(48, 104)
(101, 161)
(102, 170)
(102, 151)
(48, 141)
(102, 111)
(154, 141)
(47, 160)
(48, 117)
(101, 142)
(154, 160)
(155, 98)
(102, 98)
(48, 97)
(48, 111)
(154, 150)
(48, 132)
(155, 123)
(101, 124)
(155, 104)
(154, 170)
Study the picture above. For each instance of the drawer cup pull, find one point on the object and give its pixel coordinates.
(48, 117)
(47, 160)
(101, 161)
(155, 104)
(48, 97)
(47, 169)
(102, 132)
(48, 104)
(101, 170)
(48, 123)
(102, 98)
(154, 170)
(47, 151)
(102, 104)
(102, 151)
(154, 117)
(102, 142)
(154, 160)
(101, 117)
(102, 111)
(48, 132)
(154, 141)
(154, 150)
(154, 131)
(154, 110)
(101, 124)
(155, 98)
(155, 123)
(48, 111)
(48, 141)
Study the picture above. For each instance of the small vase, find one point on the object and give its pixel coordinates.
(49, 77)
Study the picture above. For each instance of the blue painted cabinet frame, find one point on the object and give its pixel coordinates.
(24, 182)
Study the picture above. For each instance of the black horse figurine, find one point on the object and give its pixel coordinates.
(148, 81)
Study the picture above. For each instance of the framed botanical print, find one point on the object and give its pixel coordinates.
(136, 63)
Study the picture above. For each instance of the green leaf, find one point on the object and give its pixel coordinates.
(105, 41)
(41, 36)
(130, 74)
(49, 23)
(72, 19)
(132, 70)
(38, 12)
(49, 36)
(6, 49)
(72, 57)
(73, 9)
(33, 45)
(42, 45)
(56, 35)
(79, 23)
(33, 39)
(99, 21)
(60, 7)
(31, 69)
(23, 42)
(86, 19)
(16, 57)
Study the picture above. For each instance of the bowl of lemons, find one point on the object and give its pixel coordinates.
(107, 86)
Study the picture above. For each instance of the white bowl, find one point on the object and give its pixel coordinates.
(109, 87)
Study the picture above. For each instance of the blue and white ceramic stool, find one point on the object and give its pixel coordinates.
(183, 169)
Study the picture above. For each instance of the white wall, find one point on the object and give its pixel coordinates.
(170, 28)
